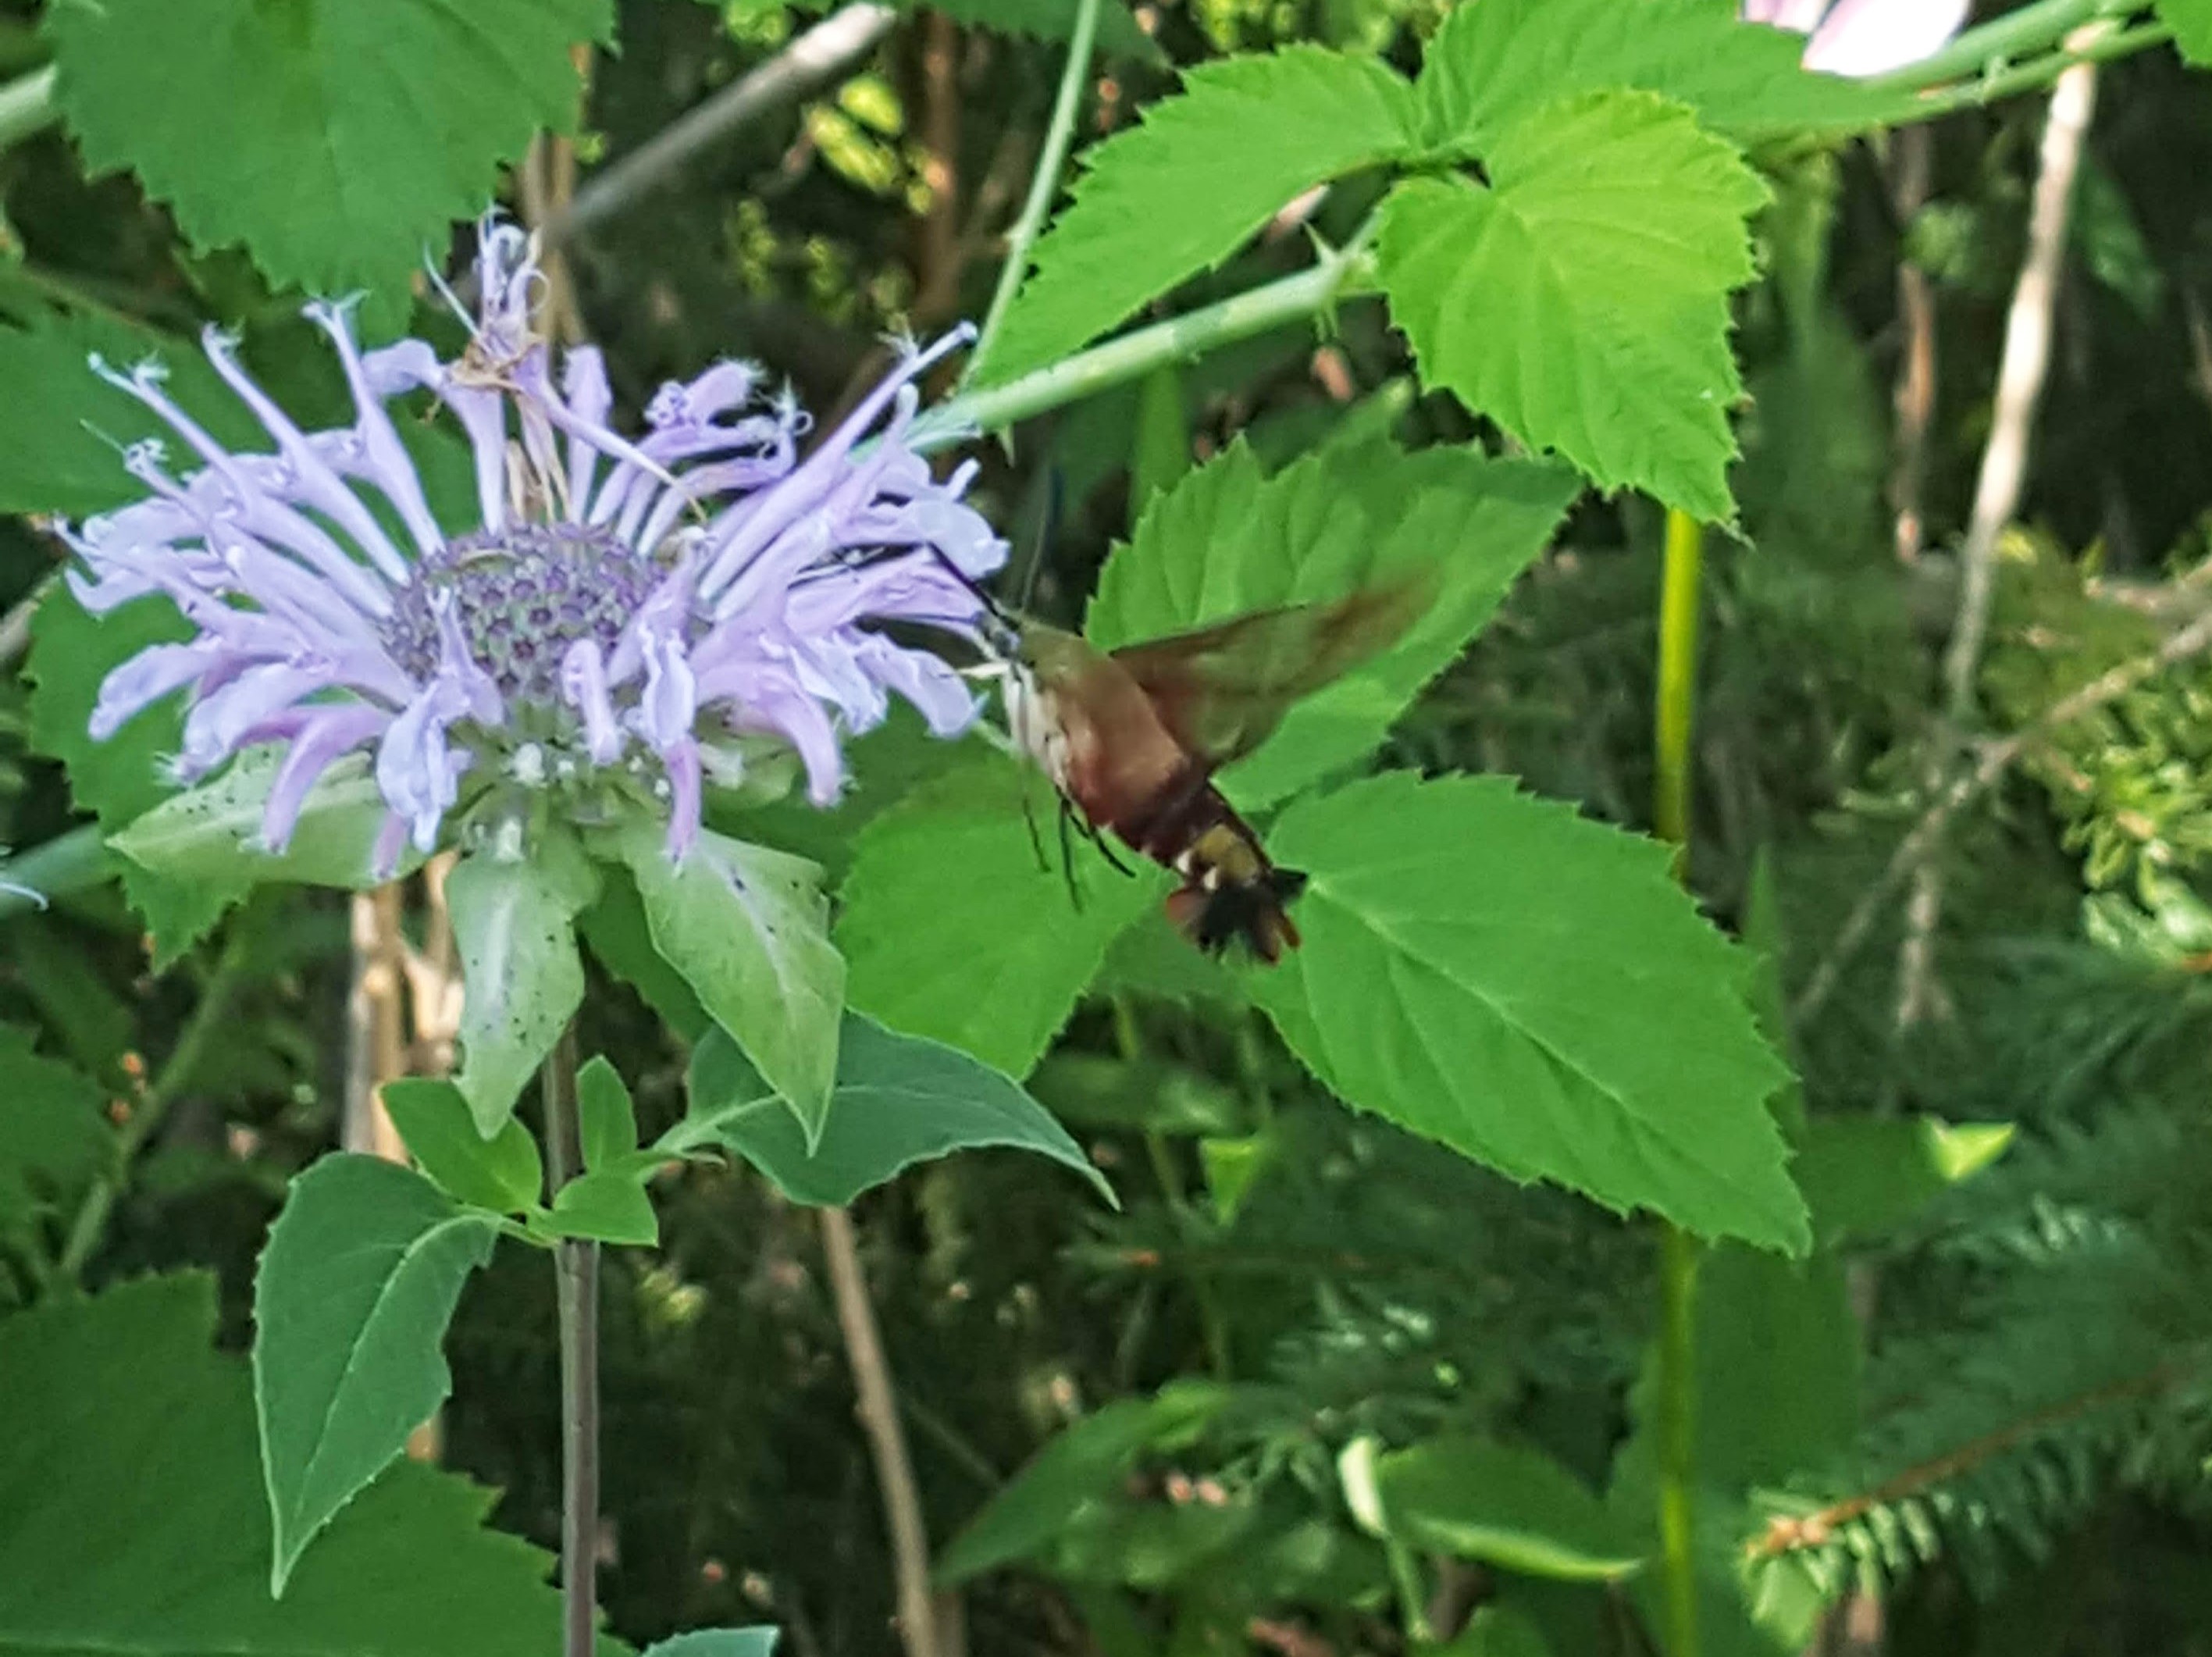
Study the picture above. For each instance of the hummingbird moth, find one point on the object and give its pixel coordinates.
(1131, 739)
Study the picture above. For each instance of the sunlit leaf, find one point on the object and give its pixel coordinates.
(350, 1303)
(503, 1174)
(1581, 297)
(1534, 991)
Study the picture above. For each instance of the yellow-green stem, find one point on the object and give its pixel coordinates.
(1672, 727)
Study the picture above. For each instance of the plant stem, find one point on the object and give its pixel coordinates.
(879, 1419)
(2031, 30)
(92, 1216)
(576, 1271)
(28, 105)
(1678, 1437)
(1286, 300)
(2042, 71)
(1672, 725)
(1044, 184)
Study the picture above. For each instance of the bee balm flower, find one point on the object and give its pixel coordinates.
(618, 613)
(1864, 37)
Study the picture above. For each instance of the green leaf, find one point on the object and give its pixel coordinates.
(1582, 300)
(1161, 453)
(717, 1643)
(748, 928)
(954, 933)
(1864, 1176)
(350, 1304)
(62, 428)
(352, 135)
(899, 1100)
(1184, 189)
(1505, 1505)
(1076, 1469)
(608, 1208)
(1229, 539)
(119, 779)
(133, 1521)
(1493, 63)
(1535, 991)
(615, 928)
(503, 1174)
(515, 923)
(2191, 23)
(610, 1120)
(211, 834)
(54, 1139)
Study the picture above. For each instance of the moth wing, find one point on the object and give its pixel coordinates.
(1222, 690)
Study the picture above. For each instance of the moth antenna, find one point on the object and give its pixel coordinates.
(1047, 527)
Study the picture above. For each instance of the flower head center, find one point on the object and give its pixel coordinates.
(521, 596)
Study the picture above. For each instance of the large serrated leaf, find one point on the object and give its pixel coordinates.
(514, 925)
(353, 132)
(954, 932)
(1534, 991)
(1178, 194)
(748, 928)
(119, 779)
(1582, 299)
(899, 1100)
(2191, 23)
(133, 1523)
(350, 1303)
(1228, 539)
(1491, 63)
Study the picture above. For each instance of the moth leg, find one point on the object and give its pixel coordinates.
(1096, 836)
(1036, 835)
(1067, 855)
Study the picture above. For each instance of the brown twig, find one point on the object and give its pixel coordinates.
(2021, 372)
(1995, 757)
(1914, 403)
(879, 1419)
(1788, 1533)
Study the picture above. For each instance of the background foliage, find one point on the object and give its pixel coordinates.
(1317, 1379)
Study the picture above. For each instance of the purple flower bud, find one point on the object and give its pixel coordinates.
(615, 603)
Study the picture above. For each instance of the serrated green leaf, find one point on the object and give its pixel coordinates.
(514, 925)
(1082, 1464)
(353, 132)
(2191, 23)
(62, 428)
(953, 932)
(350, 1303)
(1534, 991)
(748, 927)
(1185, 188)
(1228, 539)
(210, 834)
(503, 1174)
(1493, 63)
(124, 777)
(606, 1208)
(133, 1521)
(1582, 300)
(717, 1643)
(609, 1120)
(54, 1140)
(899, 1100)
(1506, 1506)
